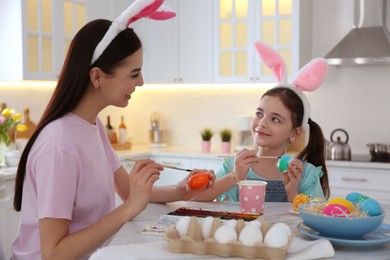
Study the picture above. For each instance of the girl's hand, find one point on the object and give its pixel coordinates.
(141, 178)
(184, 190)
(244, 159)
(292, 178)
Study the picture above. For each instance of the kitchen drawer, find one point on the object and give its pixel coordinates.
(171, 176)
(208, 164)
(173, 161)
(370, 182)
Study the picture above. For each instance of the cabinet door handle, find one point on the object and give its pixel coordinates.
(171, 163)
(353, 179)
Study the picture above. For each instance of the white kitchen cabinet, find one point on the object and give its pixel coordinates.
(171, 176)
(178, 50)
(369, 181)
(238, 24)
(207, 163)
(9, 218)
(10, 223)
(38, 34)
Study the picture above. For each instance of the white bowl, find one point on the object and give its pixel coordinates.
(12, 162)
(13, 154)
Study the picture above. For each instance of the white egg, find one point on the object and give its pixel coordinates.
(250, 235)
(255, 223)
(284, 227)
(207, 223)
(225, 234)
(232, 223)
(276, 237)
(182, 225)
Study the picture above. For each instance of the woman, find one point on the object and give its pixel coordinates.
(68, 171)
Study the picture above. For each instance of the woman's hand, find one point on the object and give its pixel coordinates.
(292, 178)
(244, 159)
(184, 190)
(141, 179)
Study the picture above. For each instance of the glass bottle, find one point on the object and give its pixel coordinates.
(109, 128)
(122, 131)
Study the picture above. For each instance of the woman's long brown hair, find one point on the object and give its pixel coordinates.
(74, 79)
(314, 152)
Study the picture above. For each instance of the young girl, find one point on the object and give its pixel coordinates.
(68, 172)
(281, 117)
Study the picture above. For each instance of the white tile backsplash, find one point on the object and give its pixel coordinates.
(353, 98)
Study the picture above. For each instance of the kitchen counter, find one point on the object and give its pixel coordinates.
(9, 173)
(359, 164)
(142, 151)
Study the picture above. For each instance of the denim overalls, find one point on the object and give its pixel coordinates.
(275, 191)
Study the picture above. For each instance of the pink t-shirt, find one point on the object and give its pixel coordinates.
(70, 175)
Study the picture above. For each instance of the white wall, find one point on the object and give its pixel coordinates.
(353, 98)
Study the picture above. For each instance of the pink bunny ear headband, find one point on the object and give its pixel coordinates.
(309, 78)
(152, 9)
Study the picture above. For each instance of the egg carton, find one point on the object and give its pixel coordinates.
(193, 242)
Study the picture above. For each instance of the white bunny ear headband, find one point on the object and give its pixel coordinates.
(309, 78)
(152, 9)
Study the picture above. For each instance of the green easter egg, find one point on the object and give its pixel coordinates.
(283, 163)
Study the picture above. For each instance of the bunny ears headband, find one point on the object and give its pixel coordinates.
(152, 9)
(309, 78)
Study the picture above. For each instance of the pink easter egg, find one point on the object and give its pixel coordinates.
(336, 210)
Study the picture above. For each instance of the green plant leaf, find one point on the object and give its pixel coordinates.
(226, 135)
(207, 134)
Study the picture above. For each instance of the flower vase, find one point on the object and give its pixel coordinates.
(225, 147)
(206, 145)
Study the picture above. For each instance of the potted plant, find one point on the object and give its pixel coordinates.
(206, 134)
(226, 136)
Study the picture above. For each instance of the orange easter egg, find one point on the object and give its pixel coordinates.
(198, 181)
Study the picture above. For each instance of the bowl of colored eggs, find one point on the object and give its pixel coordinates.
(350, 217)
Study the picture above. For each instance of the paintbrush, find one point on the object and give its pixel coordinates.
(260, 156)
(166, 166)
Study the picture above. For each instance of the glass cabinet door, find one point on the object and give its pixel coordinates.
(238, 25)
(39, 36)
(275, 28)
(49, 26)
(232, 27)
(74, 19)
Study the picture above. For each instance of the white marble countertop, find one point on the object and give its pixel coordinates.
(9, 173)
(129, 235)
